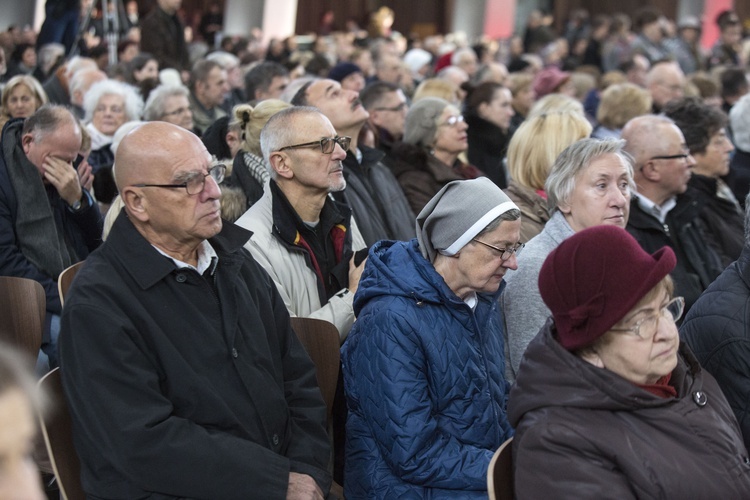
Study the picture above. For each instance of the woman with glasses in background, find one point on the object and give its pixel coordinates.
(423, 365)
(589, 185)
(428, 158)
(608, 403)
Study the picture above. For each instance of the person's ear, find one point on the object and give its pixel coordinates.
(26, 141)
(135, 203)
(281, 163)
(650, 171)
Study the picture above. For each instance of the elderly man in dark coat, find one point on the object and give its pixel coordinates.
(182, 373)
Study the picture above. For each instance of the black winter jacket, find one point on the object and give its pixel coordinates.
(717, 329)
(697, 263)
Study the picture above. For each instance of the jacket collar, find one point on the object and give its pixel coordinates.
(147, 266)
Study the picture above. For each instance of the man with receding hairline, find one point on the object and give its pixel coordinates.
(182, 373)
(48, 221)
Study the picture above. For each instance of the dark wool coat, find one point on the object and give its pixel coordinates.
(182, 385)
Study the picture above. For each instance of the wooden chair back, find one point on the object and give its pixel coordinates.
(321, 341)
(500, 473)
(66, 279)
(22, 309)
(58, 437)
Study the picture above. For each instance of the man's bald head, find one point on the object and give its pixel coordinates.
(666, 82)
(148, 147)
(642, 136)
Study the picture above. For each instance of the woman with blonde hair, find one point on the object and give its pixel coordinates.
(620, 103)
(437, 87)
(21, 97)
(531, 153)
(250, 169)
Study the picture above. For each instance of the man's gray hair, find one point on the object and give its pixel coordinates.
(46, 119)
(225, 59)
(154, 109)
(574, 159)
(280, 131)
(133, 103)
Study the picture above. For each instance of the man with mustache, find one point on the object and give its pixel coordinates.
(375, 196)
(302, 237)
(182, 373)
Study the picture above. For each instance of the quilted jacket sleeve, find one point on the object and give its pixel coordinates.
(389, 386)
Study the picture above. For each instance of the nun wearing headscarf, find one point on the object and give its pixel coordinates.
(424, 365)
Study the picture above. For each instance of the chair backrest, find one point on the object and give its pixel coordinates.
(22, 309)
(500, 473)
(321, 341)
(56, 428)
(66, 279)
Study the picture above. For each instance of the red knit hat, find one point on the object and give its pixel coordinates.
(594, 278)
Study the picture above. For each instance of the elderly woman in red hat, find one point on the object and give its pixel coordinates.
(608, 403)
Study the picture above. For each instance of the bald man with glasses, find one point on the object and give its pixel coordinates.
(182, 373)
(663, 211)
(304, 239)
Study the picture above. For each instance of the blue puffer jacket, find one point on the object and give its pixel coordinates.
(424, 383)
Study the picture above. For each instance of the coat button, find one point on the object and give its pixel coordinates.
(275, 439)
(700, 398)
(235, 354)
(181, 278)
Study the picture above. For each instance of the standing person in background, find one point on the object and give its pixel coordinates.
(60, 23)
(162, 34)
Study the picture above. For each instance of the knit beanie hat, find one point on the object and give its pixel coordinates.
(459, 212)
(342, 70)
(594, 278)
(421, 121)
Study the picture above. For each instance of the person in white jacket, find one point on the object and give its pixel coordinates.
(303, 238)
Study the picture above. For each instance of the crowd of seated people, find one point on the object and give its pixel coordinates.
(215, 187)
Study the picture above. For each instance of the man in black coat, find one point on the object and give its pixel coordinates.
(182, 373)
(48, 221)
(717, 329)
(162, 35)
(663, 211)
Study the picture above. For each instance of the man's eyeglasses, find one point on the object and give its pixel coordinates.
(504, 253)
(452, 121)
(326, 144)
(196, 182)
(395, 109)
(646, 328)
(176, 112)
(682, 156)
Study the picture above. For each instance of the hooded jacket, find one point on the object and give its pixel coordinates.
(586, 432)
(424, 383)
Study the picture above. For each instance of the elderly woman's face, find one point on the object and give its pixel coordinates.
(22, 102)
(643, 358)
(451, 138)
(601, 195)
(177, 111)
(480, 268)
(109, 114)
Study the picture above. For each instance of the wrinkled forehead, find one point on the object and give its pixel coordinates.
(322, 89)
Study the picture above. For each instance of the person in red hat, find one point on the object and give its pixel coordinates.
(607, 401)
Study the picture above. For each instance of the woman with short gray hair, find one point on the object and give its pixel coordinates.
(589, 185)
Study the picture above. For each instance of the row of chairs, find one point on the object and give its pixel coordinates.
(22, 312)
